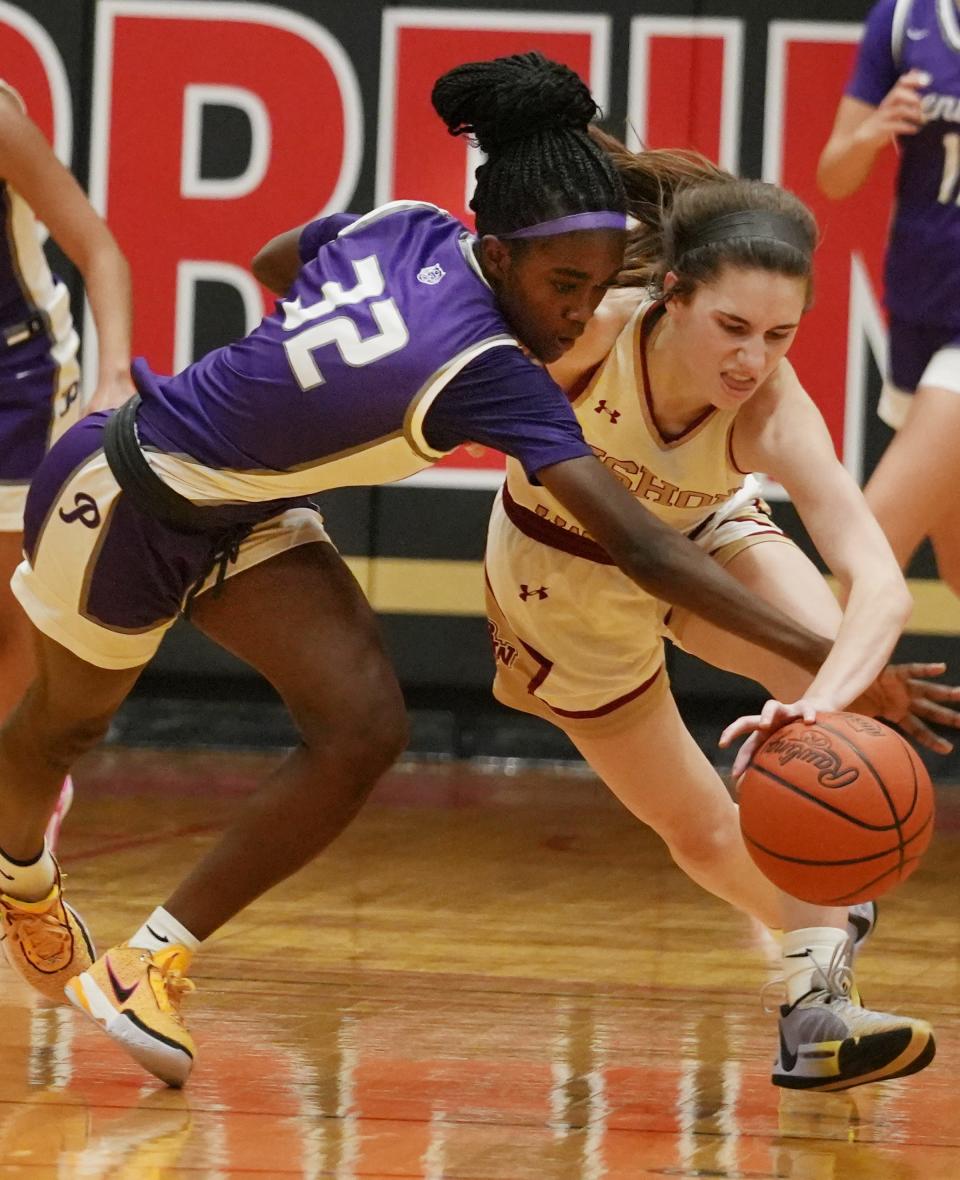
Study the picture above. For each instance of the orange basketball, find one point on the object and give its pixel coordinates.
(836, 812)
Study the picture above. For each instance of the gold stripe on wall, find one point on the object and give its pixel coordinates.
(412, 586)
(421, 586)
(936, 609)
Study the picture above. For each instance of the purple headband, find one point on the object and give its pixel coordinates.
(601, 219)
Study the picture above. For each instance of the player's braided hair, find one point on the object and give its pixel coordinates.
(674, 196)
(530, 116)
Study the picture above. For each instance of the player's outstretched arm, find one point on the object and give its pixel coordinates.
(781, 431)
(52, 192)
(666, 564)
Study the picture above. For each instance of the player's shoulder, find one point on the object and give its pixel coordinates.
(410, 211)
(616, 311)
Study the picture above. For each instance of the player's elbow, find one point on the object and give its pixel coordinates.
(891, 600)
(263, 269)
(901, 604)
(829, 183)
(833, 179)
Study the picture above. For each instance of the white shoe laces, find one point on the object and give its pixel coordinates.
(838, 979)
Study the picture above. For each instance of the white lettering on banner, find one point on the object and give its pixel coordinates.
(645, 31)
(195, 98)
(172, 60)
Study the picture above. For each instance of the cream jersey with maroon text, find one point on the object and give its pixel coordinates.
(683, 480)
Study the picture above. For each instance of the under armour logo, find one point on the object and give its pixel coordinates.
(85, 510)
(601, 408)
(525, 592)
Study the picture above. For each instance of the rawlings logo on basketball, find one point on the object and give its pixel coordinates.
(816, 750)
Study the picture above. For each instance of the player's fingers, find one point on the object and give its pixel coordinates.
(924, 690)
(913, 79)
(938, 714)
(744, 754)
(924, 736)
(740, 727)
(936, 668)
(904, 126)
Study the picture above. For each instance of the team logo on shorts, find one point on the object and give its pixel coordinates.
(68, 398)
(503, 652)
(84, 509)
(431, 275)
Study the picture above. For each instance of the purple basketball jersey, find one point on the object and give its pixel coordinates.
(388, 350)
(923, 253)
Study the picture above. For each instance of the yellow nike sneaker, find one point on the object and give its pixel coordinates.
(45, 941)
(135, 995)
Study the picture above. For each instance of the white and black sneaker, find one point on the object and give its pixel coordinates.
(861, 923)
(830, 1042)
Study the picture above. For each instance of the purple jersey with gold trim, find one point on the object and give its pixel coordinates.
(923, 253)
(388, 351)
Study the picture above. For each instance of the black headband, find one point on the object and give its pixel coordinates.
(749, 224)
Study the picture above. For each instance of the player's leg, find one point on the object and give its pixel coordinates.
(661, 776)
(17, 662)
(945, 537)
(16, 638)
(301, 620)
(828, 1041)
(913, 485)
(65, 711)
(781, 574)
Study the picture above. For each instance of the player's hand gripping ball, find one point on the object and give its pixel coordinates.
(838, 811)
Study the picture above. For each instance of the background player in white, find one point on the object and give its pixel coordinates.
(681, 396)
(905, 94)
(39, 376)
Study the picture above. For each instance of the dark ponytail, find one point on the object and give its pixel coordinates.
(530, 116)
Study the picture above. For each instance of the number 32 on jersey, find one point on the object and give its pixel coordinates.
(327, 328)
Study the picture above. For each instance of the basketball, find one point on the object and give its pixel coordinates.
(836, 812)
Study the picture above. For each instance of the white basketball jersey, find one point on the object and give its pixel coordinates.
(682, 480)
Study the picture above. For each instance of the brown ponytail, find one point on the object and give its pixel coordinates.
(674, 196)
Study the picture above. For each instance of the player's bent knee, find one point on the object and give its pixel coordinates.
(58, 742)
(706, 844)
(367, 729)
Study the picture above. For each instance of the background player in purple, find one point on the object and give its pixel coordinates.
(400, 336)
(905, 90)
(39, 375)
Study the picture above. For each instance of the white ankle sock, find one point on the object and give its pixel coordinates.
(28, 880)
(162, 930)
(806, 951)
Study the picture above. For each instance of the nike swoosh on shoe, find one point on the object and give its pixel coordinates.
(122, 993)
